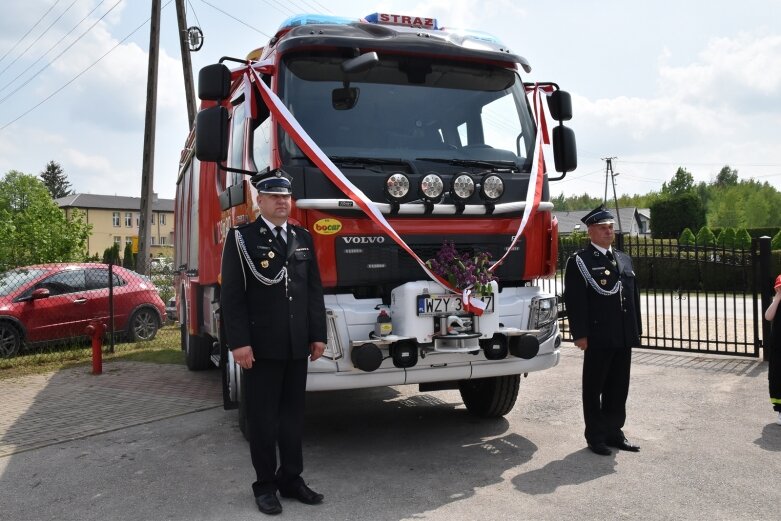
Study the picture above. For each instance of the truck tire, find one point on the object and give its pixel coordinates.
(197, 349)
(490, 397)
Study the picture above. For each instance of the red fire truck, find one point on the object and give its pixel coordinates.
(399, 135)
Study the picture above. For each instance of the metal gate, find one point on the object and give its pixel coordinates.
(693, 298)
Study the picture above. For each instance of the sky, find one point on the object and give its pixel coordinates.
(655, 85)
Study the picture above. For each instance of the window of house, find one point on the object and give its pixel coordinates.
(115, 219)
(162, 218)
(138, 220)
(117, 240)
(153, 218)
(128, 219)
(153, 240)
(128, 240)
(162, 241)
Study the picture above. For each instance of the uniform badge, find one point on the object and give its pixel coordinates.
(607, 272)
(603, 281)
(271, 255)
(263, 231)
(264, 264)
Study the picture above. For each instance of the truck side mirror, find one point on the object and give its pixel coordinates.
(211, 134)
(560, 105)
(214, 82)
(565, 155)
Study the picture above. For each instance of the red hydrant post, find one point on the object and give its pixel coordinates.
(95, 329)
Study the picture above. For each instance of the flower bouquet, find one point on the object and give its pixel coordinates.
(463, 271)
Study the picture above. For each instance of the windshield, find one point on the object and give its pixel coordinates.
(12, 280)
(409, 108)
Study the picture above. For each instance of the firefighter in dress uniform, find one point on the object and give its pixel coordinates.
(603, 308)
(274, 316)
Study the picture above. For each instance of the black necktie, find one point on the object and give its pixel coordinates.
(280, 238)
(610, 257)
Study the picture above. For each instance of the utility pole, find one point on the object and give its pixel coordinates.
(147, 174)
(609, 173)
(187, 64)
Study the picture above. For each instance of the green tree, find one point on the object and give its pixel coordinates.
(726, 177)
(742, 239)
(33, 228)
(726, 238)
(111, 254)
(687, 238)
(55, 180)
(681, 183)
(128, 260)
(705, 237)
(669, 216)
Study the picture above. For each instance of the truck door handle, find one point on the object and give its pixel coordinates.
(81, 300)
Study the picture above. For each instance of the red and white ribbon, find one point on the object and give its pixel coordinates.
(324, 163)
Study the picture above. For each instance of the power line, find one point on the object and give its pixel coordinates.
(63, 52)
(194, 13)
(39, 37)
(29, 30)
(60, 89)
(41, 57)
(234, 18)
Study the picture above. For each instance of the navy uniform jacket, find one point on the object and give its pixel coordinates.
(278, 320)
(608, 321)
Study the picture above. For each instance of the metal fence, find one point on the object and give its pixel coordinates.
(49, 307)
(693, 298)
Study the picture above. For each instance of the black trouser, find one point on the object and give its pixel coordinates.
(605, 389)
(774, 376)
(276, 391)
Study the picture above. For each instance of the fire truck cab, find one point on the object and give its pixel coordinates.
(436, 130)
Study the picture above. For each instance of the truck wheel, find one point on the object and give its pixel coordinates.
(197, 349)
(490, 397)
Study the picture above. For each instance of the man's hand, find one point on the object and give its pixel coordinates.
(243, 356)
(317, 349)
(582, 343)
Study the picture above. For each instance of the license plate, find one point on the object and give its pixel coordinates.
(429, 305)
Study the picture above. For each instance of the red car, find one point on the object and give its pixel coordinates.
(51, 302)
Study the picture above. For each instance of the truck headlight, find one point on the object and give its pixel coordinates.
(492, 188)
(397, 186)
(463, 187)
(543, 316)
(431, 186)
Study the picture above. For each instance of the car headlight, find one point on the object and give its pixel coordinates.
(397, 185)
(463, 187)
(431, 187)
(492, 188)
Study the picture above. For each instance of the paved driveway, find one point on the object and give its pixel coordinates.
(710, 449)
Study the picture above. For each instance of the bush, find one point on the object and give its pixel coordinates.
(726, 238)
(775, 243)
(705, 237)
(687, 238)
(742, 239)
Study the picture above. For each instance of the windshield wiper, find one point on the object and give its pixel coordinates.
(357, 161)
(493, 165)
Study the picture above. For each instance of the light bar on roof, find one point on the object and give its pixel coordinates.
(404, 20)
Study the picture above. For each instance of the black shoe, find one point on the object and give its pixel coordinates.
(304, 494)
(268, 504)
(600, 448)
(623, 444)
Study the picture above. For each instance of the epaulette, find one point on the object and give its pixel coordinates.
(240, 226)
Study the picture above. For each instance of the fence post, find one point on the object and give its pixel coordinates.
(111, 305)
(765, 283)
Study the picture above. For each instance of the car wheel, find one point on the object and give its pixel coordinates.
(143, 325)
(10, 340)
